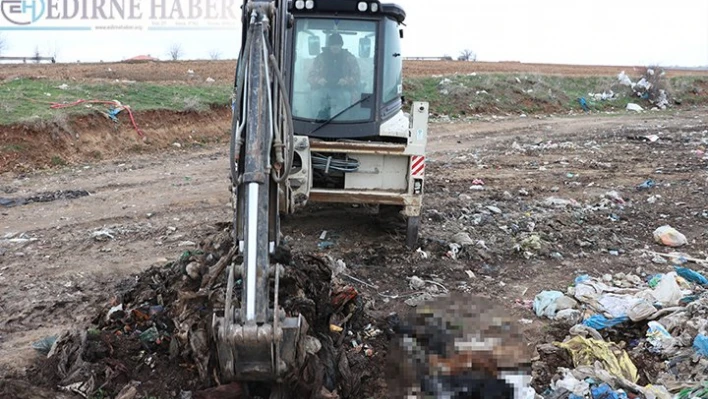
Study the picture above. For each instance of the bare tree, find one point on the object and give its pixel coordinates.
(175, 52)
(54, 52)
(3, 43)
(214, 55)
(37, 55)
(467, 55)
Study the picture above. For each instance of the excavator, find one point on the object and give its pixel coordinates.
(318, 117)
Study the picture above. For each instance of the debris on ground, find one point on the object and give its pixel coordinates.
(43, 197)
(669, 236)
(634, 107)
(158, 323)
(649, 87)
(637, 337)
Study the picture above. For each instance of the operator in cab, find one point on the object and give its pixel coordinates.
(335, 77)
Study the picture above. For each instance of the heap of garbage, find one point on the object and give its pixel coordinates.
(154, 337)
(630, 336)
(649, 87)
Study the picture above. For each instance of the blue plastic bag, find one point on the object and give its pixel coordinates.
(605, 392)
(700, 345)
(582, 279)
(545, 303)
(691, 275)
(600, 322)
(647, 185)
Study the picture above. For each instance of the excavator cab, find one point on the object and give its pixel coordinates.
(354, 142)
(317, 117)
(368, 60)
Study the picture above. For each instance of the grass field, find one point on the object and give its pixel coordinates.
(28, 95)
(24, 99)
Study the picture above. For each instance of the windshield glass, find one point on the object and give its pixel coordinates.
(333, 69)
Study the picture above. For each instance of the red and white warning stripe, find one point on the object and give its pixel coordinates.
(417, 166)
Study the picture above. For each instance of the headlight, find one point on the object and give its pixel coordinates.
(309, 4)
(363, 6)
(300, 4)
(374, 7)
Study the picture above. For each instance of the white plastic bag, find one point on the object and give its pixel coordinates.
(670, 237)
(668, 292)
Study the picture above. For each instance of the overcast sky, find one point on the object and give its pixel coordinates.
(614, 32)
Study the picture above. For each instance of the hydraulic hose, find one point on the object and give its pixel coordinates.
(235, 147)
(290, 134)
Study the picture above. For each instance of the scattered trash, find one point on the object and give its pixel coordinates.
(634, 107)
(586, 351)
(210, 80)
(114, 105)
(462, 239)
(44, 197)
(700, 344)
(647, 185)
(44, 345)
(691, 275)
(624, 79)
(416, 283)
(600, 322)
(494, 209)
(669, 237)
(325, 244)
(667, 292)
(559, 202)
(549, 303)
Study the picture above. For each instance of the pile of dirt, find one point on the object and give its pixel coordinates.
(154, 336)
(78, 138)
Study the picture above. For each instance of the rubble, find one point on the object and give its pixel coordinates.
(159, 321)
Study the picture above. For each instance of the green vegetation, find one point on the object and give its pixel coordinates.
(13, 148)
(28, 100)
(58, 161)
(461, 95)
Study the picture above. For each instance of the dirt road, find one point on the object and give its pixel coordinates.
(542, 215)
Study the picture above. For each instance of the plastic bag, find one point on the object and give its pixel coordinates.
(572, 384)
(618, 305)
(624, 79)
(605, 392)
(691, 275)
(670, 237)
(641, 310)
(659, 337)
(549, 303)
(700, 345)
(585, 352)
(600, 322)
(668, 292)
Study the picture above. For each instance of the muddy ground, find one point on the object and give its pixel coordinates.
(534, 196)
